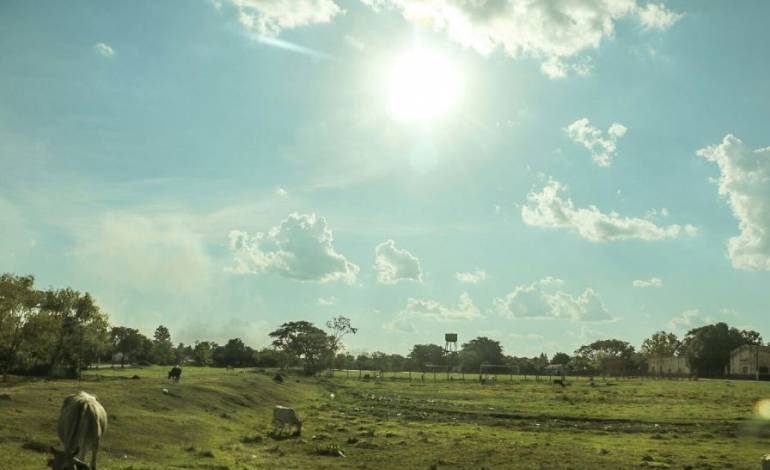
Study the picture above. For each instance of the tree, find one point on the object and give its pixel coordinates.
(203, 352)
(609, 356)
(235, 354)
(708, 348)
(422, 354)
(340, 326)
(560, 358)
(126, 342)
(18, 301)
(661, 343)
(481, 350)
(162, 347)
(305, 341)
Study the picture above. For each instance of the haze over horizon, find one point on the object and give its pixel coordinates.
(543, 173)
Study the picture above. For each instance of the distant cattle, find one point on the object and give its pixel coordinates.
(82, 421)
(283, 416)
(278, 378)
(175, 373)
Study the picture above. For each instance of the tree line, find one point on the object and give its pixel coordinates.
(60, 332)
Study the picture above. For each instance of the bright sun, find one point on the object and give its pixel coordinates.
(422, 86)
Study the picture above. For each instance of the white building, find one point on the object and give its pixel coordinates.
(749, 361)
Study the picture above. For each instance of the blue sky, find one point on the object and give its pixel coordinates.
(600, 168)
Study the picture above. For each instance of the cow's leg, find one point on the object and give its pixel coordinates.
(93, 455)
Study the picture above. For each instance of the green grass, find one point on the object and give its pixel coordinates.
(221, 420)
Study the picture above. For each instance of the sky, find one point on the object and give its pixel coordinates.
(543, 172)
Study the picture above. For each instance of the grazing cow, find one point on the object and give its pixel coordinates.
(82, 421)
(766, 462)
(283, 416)
(175, 373)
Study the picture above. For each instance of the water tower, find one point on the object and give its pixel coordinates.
(451, 343)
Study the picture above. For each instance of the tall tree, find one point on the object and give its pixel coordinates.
(162, 347)
(18, 301)
(560, 358)
(481, 350)
(609, 356)
(422, 354)
(304, 341)
(339, 326)
(661, 343)
(126, 342)
(708, 348)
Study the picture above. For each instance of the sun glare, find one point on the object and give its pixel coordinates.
(423, 85)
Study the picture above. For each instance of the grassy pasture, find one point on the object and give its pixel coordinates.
(215, 419)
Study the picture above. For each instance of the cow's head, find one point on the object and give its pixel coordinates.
(63, 460)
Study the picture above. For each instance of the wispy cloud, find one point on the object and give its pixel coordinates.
(104, 50)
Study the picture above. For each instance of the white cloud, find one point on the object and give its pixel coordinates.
(745, 182)
(270, 17)
(547, 209)
(474, 277)
(552, 31)
(104, 50)
(393, 264)
(656, 16)
(651, 282)
(418, 309)
(327, 301)
(280, 192)
(541, 300)
(602, 146)
(300, 248)
(687, 320)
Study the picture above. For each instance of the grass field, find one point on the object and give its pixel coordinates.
(215, 419)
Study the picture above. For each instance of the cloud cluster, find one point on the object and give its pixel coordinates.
(745, 182)
(417, 309)
(300, 248)
(602, 146)
(555, 31)
(548, 209)
(104, 50)
(651, 282)
(393, 264)
(475, 277)
(687, 320)
(270, 17)
(542, 299)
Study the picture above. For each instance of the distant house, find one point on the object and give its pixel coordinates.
(749, 360)
(668, 366)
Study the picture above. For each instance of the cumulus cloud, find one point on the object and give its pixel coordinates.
(300, 248)
(555, 32)
(745, 182)
(656, 16)
(687, 320)
(475, 277)
(269, 17)
(548, 209)
(651, 282)
(280, 192)
(542, 299)
(418, 309)
(393, 264)
(104, 50)
(602, 146)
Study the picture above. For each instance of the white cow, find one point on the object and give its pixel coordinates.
(766, 462)
(82, 421)
(283, 416)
